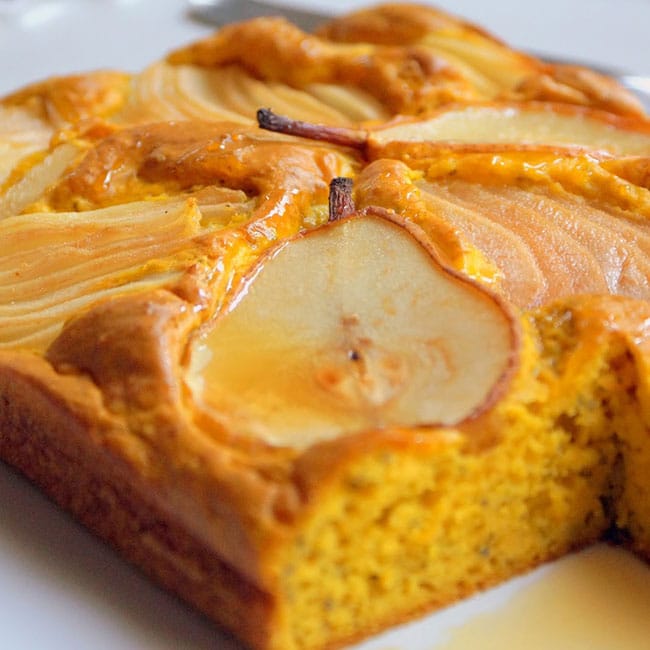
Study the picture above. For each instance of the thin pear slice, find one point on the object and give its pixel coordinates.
(481, 127)
(351, 327)
(521, 126)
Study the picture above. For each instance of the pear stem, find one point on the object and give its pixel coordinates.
(341, 203)
(267, 119)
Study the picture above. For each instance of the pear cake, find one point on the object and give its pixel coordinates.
(326, 331)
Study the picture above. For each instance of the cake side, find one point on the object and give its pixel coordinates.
(90, 466)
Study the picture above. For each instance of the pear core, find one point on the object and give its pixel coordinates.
(354, 326)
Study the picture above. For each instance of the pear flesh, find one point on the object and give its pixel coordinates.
(518, 126)
(351, 327)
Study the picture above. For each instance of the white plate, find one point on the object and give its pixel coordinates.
(61, 589)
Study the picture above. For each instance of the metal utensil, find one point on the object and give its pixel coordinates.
(222, 12)
(231, 11)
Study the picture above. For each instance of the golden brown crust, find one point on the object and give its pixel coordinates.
(411, 24)
(578, 85)
(393, 24)
(411, 69)
(132, 350)
(171, 157)
(52, 431)
(66, 100)
(406, 80)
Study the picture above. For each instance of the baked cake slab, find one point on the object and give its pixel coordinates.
(327, 331)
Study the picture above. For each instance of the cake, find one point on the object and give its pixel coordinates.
(326, 373)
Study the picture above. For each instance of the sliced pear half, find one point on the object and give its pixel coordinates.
(522, 125)
(505, 126)
(350, 327)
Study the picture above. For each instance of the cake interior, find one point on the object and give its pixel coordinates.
(407, 527)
